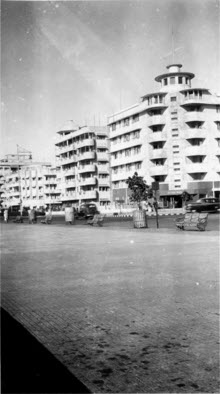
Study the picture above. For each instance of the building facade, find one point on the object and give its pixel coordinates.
(28, 183)
(171, 137)
(83, 157)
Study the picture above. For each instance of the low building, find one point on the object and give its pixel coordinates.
(171, 137)
(83, 157)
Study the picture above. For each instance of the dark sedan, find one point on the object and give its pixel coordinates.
(208, 204)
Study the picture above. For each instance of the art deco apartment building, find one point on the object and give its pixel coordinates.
(29, 183)
(171, 136)
(83, 156)
(39, 185)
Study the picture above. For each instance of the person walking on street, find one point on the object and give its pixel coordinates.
(69, 215)
(31, 215)
(6, 215)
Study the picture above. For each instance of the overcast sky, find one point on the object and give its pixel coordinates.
(84, 60)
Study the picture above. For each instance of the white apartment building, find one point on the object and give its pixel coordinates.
(30, 184)
(171, 136)
(39, 185)
(83, 156)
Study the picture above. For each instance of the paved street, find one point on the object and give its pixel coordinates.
(124, 310)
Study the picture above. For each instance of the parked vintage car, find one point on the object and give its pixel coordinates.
(86, 211)
(207, 204)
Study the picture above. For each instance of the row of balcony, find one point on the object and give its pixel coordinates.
(91, 155)
(86, 195)
(102, 143)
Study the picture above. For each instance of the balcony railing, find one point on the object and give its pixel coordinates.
(157, 136)
(101, 143)
(195, 133)
(158, 170)
(194, 116)
(156, 120)
(86, 156)
(87, 168)
(68, 160)
(85, 142)
(90, 194)
(87, 181)
(195, 150)
(104, 195)
(103, 169)
(196, 167)
(104, 181)
(102, 156)
(158, 154)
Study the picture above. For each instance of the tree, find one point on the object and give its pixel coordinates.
(185, 197)
(139, 189)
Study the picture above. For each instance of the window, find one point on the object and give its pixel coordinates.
(218, 125)
(173, 112)
(176, 180)
(126, 122)
(187, 80)
(113, 126)
(175, 146)
(173, 98)
(180, 80)
(172, 80)
(217, 108)
(176, 151)
(165, 81)
(176, 169)
(135, 118)
(174, 118)
(137, 166)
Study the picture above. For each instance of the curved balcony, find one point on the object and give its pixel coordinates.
(156, 120)
(65, 149)
(196, 168)
(158, 154)
(69, 172)
(194, 116)
(85, 142)
(103, 169)
(157, 136)
(71, 183)
(124, 145)
(101, 143)
(89, 194)
(102, 156)
(159, 170)
(156, 106)
(69, 160)
(88, 168)
(69, 196)
(194, 133)
(126, 160)
(195, 150)
(87, 181)
(86, 156)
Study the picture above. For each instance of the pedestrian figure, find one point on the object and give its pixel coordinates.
(48, 217)
(31, 215)
(69, 215)
(35, 215)
(6, 215)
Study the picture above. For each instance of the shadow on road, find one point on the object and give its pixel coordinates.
(28, 367)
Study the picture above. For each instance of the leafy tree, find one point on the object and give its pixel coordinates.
(185, 197)
(139, 189)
